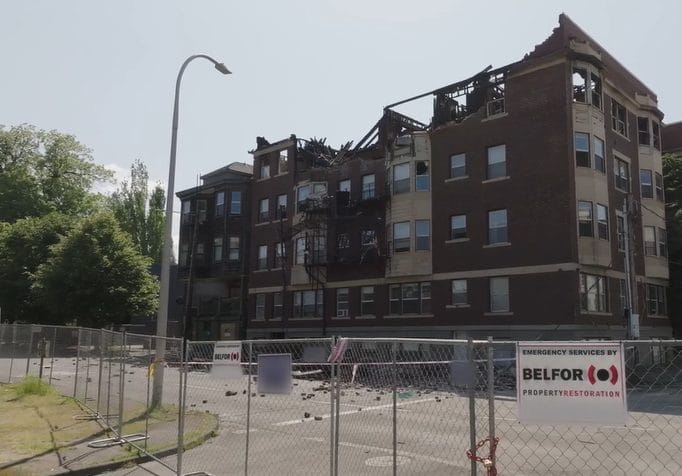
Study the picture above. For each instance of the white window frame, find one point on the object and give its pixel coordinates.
(503, 293)
(342, 303)
(459, 294)
(496, 154)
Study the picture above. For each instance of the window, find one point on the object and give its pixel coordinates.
(342, 302)
(184, 254)
(497, 161)
(646, 182)
(655, 298)
(458, 166)
(218, 249)
(265, 171)
(281, 211)
(302, 195)
(619, 118)
(593, 293)
(458, 227)
(585, 221)
(280, 255)
(650, 241)
(459, 292)
(425, 298)
(202, 206)
(659, 187)
(422, 234)
(283, 161)
(623, 296)
(643, 135)
(344, 186)
(401, 237)
(342, 241)
(199, 253)
(582, 150)
(499, 294)
(368, 238)
(317, 245)
(497, 227)
(300, 251)
(264, 210)
(603, 222)
(234, 248)
(235, 203)
(599, 160)
(422, 181)
(410, 298)
(367, 300)
(662, 242)
(401, 178)
(260, 306)
(368, 187)
(595, 86)
(186, 212)
(262, 257)
(277, 306)
(620, 230)
(579, 85)
(656, 134)
(308, 304)
(219, 204)
(587, 87)
(621, 170)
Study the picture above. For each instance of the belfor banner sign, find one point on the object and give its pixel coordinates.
(571, 382)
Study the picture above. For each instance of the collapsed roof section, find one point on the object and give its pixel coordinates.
(483, 95)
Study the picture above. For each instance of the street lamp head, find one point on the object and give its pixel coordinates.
(222, 68)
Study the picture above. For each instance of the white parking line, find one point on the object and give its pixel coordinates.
(351, 412)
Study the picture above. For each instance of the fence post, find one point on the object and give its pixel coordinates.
(11, 358)
(99, 372)
(395, 408)
(332, 413)
(337, 417)
(248, 412)
(472, 405)
(87, 369)
(108, 356)
(30, 346)
(78, 358)
(182, 391)
(491, 395)
(54, 342)
(150, 362)
(121, 385)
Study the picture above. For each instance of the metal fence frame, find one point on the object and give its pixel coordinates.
(94, 366)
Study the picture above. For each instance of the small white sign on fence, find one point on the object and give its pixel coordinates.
(274, 373)
(227, 359)
(571, 382)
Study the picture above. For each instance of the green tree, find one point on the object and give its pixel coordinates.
(672, 171)
(45, 171)
(140, 213)
(96, 276)
(24, 245)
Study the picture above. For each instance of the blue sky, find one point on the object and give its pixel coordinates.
(105, 71)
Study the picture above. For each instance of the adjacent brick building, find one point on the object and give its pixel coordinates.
(507, 213)
(215, 217)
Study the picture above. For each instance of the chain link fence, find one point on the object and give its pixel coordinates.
(349, 406)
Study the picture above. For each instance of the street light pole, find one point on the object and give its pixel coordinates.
(162, 319)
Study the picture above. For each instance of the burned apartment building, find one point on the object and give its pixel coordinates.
(530, 205)
(213, 253)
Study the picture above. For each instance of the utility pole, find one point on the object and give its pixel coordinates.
(630, 282)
